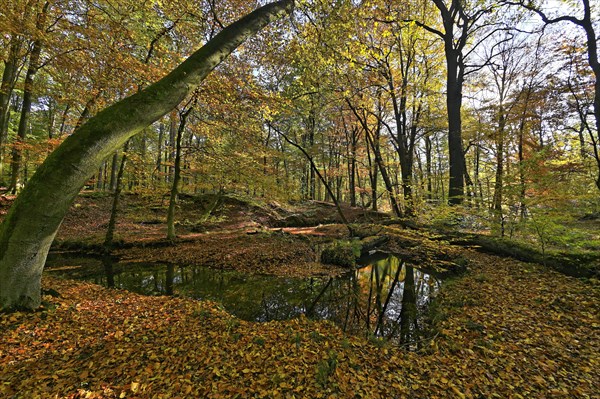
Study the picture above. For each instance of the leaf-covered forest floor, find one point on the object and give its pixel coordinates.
(259, 238)
(505, 328)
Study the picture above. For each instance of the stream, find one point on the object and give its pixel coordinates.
(384, 297)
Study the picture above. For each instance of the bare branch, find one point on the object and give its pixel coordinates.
(426, 27)
(543, 15)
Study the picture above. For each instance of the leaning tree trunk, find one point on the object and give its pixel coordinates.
(34, 218)
(323, 180)
(384, 174)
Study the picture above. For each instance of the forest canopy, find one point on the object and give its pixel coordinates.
(361, 85)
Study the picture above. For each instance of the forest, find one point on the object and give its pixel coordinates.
(299, 198)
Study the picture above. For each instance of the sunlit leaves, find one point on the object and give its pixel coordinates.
(541, 337)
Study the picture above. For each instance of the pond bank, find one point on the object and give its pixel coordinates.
(385, 297)
(506, 328)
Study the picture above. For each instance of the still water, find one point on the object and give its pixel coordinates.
(384, 297)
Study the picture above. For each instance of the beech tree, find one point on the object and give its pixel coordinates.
(32, 222)
(461, 22)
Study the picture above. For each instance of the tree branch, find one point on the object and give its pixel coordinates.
(543, 15)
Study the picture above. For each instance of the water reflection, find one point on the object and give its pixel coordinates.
(386, 297)
(107, 263)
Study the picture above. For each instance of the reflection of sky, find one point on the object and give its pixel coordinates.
(349, 300)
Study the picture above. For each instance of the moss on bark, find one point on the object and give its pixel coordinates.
(34, 218)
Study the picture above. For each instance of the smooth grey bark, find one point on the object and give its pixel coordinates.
(32, 222)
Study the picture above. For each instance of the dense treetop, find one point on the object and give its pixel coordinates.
(398, 105)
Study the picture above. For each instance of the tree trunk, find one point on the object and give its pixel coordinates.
(372, 178)
(110, 231)
(498, 185)
(9, 78)
(595, 65)
(404, 139)
(428, 167)
(476, 167)
(456, 189)
(52, 107)
(520, 145)
(99, 178)
(63, 120)
(170, 156)
(176, 175)
(31, 224)
(352, 181)
(113, 171)
(386, 178)
(34, 60)
(161, 135)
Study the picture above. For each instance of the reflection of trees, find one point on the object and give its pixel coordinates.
(389, 300)
(408, 312)
(368, 314)
(352, 300)
(382, 298)
(107, 263)
(311, 308)
(169, 277)
(381, 318)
